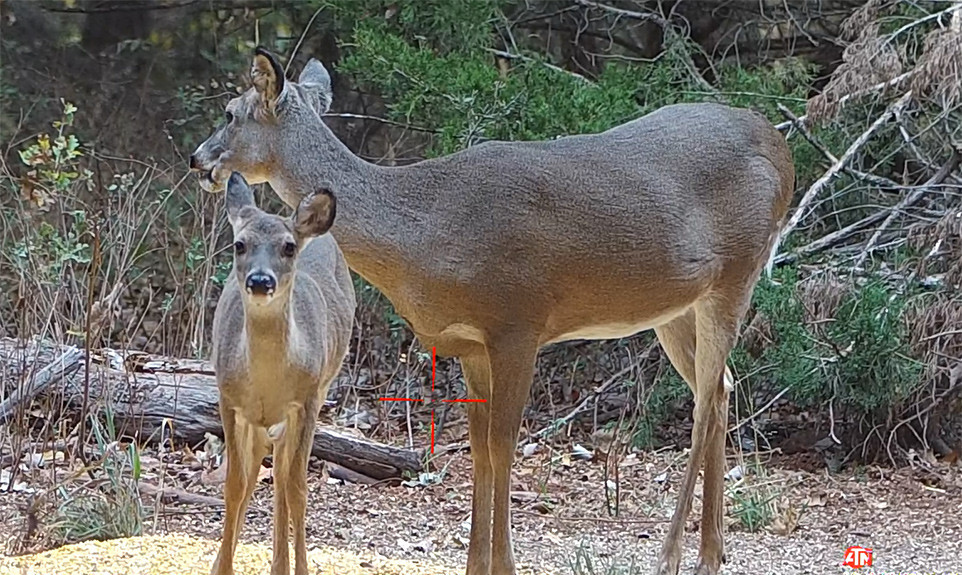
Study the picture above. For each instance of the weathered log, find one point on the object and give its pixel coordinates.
(153, 397)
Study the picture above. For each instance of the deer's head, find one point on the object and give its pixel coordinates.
(266, 246)
(260, 123)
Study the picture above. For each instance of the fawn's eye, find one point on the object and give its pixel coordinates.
(239, 248)
(289, 249)
(229, 117)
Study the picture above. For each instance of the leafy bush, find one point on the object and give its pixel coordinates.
(854, 353)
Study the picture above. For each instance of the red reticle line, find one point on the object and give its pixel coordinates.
(434, 363)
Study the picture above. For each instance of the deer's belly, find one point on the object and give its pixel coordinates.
(618, 330)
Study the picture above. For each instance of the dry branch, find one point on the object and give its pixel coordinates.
(68, 362)
(907, 201)
(801, 211)
(150, 394)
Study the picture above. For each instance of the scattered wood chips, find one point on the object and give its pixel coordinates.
(182, 555)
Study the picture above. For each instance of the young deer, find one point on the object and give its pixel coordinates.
(493, 252)
(278, 342)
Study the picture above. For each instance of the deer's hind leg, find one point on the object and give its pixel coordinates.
(246, 446)
(680, 340)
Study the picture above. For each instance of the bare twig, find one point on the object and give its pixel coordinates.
(801, 211)
(511, 56)
(616, 378)
(383, 121)
(799, 124)
(874, 88)
(649, 16)
(907, 201)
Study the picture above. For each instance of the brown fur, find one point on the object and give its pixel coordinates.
(490, 253)
(275, 357)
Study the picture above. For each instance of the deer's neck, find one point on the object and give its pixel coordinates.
(377, 219)
(268, 331)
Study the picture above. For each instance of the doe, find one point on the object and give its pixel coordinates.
(281, 330)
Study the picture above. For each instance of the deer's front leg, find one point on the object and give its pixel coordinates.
(297, 454)
(512, 371)
(478, 377)
(245, 450)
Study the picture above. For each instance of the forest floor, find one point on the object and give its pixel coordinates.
(911, 518)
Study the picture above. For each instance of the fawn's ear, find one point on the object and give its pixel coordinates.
(315, 214)
(317, 85)
(267, 75)
(239, 196)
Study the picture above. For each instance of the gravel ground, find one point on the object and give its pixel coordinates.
(910, 518)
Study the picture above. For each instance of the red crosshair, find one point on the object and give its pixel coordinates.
(434, 364)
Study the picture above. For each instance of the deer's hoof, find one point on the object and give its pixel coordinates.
(706, 567)
(667, 566)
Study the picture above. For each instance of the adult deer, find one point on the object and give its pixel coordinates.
(278, 342)
(490, 253)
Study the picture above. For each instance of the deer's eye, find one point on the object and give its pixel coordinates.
(229, 117)
(289, 249)
(239, 248)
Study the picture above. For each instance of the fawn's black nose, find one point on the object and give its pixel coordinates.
(260, 283)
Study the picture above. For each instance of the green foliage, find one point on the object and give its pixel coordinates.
(658, 408)
(467, 99)
(860, 357)
(753, 506)
(874, 369)
(53, 168)
(52, 162)
(108, 506)
(438, 25)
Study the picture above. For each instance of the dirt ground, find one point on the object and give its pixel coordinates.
(911, 519)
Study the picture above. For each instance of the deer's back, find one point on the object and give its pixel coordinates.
(648, 214)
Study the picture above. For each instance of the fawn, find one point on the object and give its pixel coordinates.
(281, 330)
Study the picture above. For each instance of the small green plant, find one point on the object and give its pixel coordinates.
(753, 498)
(108, 505)
(52, 162)
(754, 509)
(583, 562)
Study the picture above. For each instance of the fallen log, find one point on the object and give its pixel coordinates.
(153, 397)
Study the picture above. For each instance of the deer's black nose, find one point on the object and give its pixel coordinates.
(261, 283)
(194, 164)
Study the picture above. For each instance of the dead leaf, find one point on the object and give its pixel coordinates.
(818, 500)
(786, 522)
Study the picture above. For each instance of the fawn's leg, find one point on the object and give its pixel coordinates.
(246, 448)
(301, 441)
(281, 561)
(512, 372)
(478, 378)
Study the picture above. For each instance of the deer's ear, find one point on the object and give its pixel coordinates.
(316, 82)
(267, 75)
(239, 196)
(315, 214)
